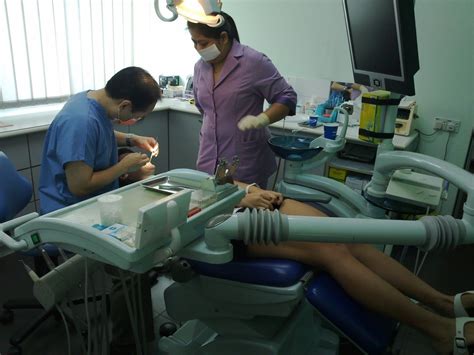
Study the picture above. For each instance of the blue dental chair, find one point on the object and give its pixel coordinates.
(267, 307)
(233, 291)
(15, 193)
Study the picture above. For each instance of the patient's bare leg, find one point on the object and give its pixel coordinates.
(403, 279)
(364, 285)
(387, 268)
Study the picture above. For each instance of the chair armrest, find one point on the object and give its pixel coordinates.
(7, 240)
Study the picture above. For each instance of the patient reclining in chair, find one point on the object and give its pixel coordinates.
(369, 276)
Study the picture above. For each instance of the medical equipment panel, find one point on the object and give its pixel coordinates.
(406, 114)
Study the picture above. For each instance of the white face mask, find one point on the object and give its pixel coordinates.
(209, 53)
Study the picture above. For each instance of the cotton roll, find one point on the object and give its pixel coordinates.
(110, 209)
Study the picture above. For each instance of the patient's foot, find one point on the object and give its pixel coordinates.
(445, 306)
(467, 301)
(444, 345)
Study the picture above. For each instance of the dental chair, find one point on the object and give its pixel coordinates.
(15, 193)
(268, 306)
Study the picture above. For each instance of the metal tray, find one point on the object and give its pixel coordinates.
(163, 185)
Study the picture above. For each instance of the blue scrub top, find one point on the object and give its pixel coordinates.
(81, 131)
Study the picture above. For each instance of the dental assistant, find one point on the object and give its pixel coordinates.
(231, 83)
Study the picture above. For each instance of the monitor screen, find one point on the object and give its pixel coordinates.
(382, 43)
(375, 43)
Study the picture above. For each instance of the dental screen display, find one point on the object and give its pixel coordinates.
(374, 39)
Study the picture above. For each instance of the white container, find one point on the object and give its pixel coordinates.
(110, 209)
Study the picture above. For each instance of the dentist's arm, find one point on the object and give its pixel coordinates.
(82, 180)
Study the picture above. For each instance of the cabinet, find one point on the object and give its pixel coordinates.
(353, 165)
(184, 131)
(155, 125)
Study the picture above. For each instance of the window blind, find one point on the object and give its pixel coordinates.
(51, 49)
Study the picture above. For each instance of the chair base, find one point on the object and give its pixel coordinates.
(302, 334)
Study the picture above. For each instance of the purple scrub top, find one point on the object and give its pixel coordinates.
(248, 78)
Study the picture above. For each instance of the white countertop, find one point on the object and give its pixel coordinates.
(38, 118)
(352, 134)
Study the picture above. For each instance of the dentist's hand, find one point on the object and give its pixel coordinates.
(155, 151)
(133, 161)
(145, 143)
(251, 122)
(144, 172)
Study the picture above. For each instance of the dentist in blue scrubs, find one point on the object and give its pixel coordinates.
(80, 158)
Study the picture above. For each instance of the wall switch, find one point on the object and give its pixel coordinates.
(446, 124)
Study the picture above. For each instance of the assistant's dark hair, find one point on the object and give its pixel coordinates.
(134, 84)
(228, 26)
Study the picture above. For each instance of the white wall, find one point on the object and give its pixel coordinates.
(167, 48)
(307, 38)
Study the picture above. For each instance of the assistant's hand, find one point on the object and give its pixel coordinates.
(363, 89)
(145, 143)
(250, 122)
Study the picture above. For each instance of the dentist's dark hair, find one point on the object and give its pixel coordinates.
(227, 26)
(134, 84)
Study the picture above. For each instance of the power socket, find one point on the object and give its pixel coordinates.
(446, 124)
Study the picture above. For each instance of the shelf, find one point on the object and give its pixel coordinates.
(351, 165)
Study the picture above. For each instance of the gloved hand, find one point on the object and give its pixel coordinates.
(250, 121)
(363, 89)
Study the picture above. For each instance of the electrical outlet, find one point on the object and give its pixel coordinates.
(446, 124)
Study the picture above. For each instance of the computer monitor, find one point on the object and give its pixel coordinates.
(382, 42)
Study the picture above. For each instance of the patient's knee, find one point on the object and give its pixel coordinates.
(326, 254)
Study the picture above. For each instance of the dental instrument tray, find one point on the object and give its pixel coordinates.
(294, 148)
(163, 185)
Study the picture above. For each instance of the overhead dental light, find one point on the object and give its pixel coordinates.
(199, 11)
